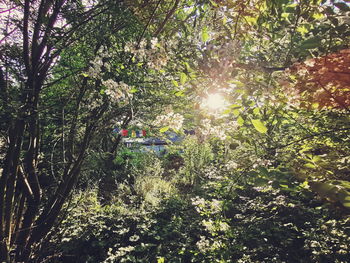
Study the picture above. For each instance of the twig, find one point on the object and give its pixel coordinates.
(308, 137)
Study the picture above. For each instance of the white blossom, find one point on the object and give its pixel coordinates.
(203, 244)
(134, 238)
(172, 120)
(209, 225)
(116, 90)
(154, 57)
(154, 42)
(143, 44)
(310, 63)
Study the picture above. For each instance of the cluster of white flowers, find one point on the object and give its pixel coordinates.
(154, 42)
(158, 62)
(155, 55)
(280, 200)
(213, 174)
(212, 226)
(207, 129)
(121, 252)
(231, 165)
(134, 238)
(116, 90)
(202, 205)
(215, 206)
(203, 244)
(209, 225)
(110, 84)
(95, 69)
(171, 119)
(217, 244)
(262, 162)
(94, 102)
(199, 203)
(99, 62)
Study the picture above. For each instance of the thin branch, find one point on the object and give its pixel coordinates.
(168, 16)
(309, 137)
(148, 23)
(26, 35)
(8, 34)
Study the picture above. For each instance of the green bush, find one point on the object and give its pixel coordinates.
(225, 223)
(197, 157)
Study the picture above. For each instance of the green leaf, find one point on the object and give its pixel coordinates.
(161, 260)
(235, 106)
(85, 75)
(263, 171)
(317, 16)
(311, 43)
(251, 103)
(259, 126)
(227, 111)
(346, 202)
(236, 112)
(240, 121)
(302, 30)
(133, 90)
(256, 111)
(179, 93)
(183, 78)
(251, 20)
(188, 68)
(176, 84)
(310, 165)
(315, 105)
(205, 35)
(260, 181)
(285, 15)
(181, 15)
(164, 129)
(213, 3)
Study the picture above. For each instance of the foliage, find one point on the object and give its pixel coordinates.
(197, 157)
(263, 177)
(227, 222)
(323, 82)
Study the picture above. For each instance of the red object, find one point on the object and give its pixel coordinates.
(124, 132)
(143, 133)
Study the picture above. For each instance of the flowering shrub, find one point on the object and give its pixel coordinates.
(222, 222)
(154, 54)
(171, 120)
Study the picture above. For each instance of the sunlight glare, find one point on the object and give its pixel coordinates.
(214, 102)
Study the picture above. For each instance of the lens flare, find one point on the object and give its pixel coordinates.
(214, 102)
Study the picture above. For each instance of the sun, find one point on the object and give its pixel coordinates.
(214, 102)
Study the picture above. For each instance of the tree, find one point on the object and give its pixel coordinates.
(36, 37)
